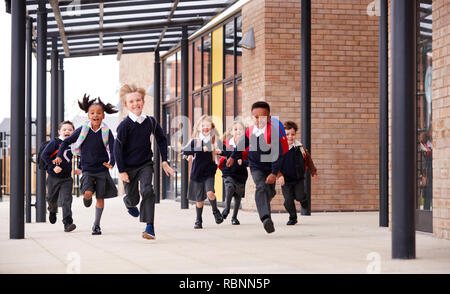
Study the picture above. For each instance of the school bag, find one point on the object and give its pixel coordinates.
(41, 163)
(223, 159)
(308, 161)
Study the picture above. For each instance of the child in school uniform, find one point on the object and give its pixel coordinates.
(94, 142)
(293, 167)
(265, 142)
(235, 176)
(133, 156)
(59, 180)
(203, 149)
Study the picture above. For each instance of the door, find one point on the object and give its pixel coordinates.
(171, 185)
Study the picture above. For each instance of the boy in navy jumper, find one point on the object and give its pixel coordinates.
(59, 181)
(266, 143)
(134, 156)
(94, 142)
(234, 177)
(293, 167)
(203, 148)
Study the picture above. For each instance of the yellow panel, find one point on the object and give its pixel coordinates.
(217, 114)
(217, 55)
(217, 96)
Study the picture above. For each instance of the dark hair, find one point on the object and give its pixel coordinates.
(261, 104)
(290, 125)
(66, 122)
(86, 103)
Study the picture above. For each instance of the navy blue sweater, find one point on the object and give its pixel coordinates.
(293, 165)
(258, 147)
(203, 165)
(66, 163)
(238, 172)
(92, 151)
(133, 146)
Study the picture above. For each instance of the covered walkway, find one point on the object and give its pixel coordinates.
(321, 243)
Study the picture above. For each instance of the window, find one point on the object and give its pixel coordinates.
(239, 97)
(228, 98)
(178, 58)
(238, 49)
(169, 77)
(197, 64)
(207, 60)
(228, 42)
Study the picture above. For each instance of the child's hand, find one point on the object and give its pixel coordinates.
(218, 151)
(57, 169)
(167, 169)
(205, 149)
(78, 171)
(240, 161)
(281, 181)
(124, 177)
(107, 165)
(271, 179)
(57, 161)
(230, 161)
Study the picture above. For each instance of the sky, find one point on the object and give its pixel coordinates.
(96, 76)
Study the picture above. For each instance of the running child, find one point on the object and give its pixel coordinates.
(265, 142)
(94, 143)
(235, 176)
(203, 149)
(293, 168)
(59, 180)
(133, 154)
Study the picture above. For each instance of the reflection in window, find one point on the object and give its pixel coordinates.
(207, 60)
(178, 73)
(229, 105)
(197, 64)
(207, 102)
(238, 97)
(424, 99)
(229, 49)
(169, 79)
(197, 105)
(238, 48)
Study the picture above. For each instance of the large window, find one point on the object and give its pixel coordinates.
(206, 60)
(169, 68)
(228, 42)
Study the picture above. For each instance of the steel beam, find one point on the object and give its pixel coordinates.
(157, 115)
(54, 90)
(184, 112)
(403, 129)
(28, 119)
(17, 173)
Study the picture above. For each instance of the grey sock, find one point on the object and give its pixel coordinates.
(98, 215)
(213, 204)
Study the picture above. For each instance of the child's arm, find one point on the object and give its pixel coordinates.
(241, 147)
(161, 140)
(48, 150)
(189, 149)
(111, 140)
(66, 143)
(118, 148)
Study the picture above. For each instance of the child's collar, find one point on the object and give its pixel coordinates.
(102, 125)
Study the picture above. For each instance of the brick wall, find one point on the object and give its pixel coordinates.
(441, 119)
(344, 93)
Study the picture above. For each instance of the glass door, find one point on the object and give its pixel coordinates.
(424, 197)
(171, 185)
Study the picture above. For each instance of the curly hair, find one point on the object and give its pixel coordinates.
(86, 103)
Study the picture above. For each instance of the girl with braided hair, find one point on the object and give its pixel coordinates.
(94, 143)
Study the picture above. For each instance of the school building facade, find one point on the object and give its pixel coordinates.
(225, 79)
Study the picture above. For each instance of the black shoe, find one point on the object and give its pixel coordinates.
(87, 202)
(69, 227)
(218, 217)
(225, 213)
(268, 225)
(198, 225)
(52, 217)
(96, 230)
(235, 221)
(291, 222)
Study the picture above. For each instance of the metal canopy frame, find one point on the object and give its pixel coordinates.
(94, 27)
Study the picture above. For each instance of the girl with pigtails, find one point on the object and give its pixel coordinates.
(94, 143)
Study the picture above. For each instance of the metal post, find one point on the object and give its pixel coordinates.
(157, 115)
(184, 112)
(28, 119)
(17, 173)
(61, 90)
(403, 129)
(41, 113)
(54, 89)
(306, 90)
(384, 128)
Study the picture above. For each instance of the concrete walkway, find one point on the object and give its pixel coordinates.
(321, 243)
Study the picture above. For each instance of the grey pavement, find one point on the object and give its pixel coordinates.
(322, 243)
